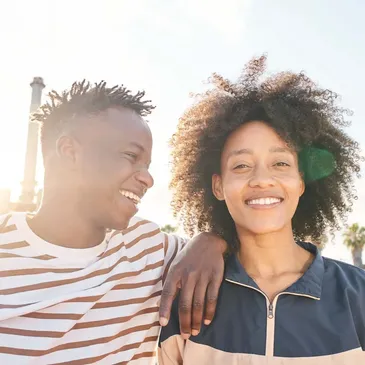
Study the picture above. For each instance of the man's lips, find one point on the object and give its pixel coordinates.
(131, 196)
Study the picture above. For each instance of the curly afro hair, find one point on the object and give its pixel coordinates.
(304, 115)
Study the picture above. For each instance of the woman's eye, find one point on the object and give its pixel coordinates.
(281, 164)
(241, 166)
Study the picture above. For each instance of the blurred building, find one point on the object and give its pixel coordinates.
(4, 200)
(29, 200)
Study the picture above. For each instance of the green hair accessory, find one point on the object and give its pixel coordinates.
(315, 163)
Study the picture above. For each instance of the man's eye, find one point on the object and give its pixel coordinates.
(131, 155)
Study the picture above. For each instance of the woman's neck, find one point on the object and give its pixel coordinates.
(270, 255)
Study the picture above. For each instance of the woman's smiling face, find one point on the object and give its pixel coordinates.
(260, 179)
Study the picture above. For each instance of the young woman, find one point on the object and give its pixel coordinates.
(267, 165)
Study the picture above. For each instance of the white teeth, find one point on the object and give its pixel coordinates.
(263, 201)
(128, 194)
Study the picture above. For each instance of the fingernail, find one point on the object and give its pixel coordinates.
(207, 322)
(163, 321)
(195, 332)
(185, 336)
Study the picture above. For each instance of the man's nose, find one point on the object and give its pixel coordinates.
(145, 177)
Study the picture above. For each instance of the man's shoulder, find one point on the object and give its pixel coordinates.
(141, 224)
(140, 220)
(137, 227)
(141, 228)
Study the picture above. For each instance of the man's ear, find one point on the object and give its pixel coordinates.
(217, 187)
(68, 150)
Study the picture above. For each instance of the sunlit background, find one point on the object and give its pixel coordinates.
(168, 48)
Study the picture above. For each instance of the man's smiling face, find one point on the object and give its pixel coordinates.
(114, 154)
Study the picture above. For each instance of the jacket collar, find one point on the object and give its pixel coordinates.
(310, 284)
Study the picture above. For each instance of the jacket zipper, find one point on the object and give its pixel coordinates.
(270, 322)
(269, 305)
(270, 311)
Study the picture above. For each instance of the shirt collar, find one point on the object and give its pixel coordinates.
(310, 284)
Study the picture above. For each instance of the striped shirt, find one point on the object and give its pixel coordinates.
(81, 306)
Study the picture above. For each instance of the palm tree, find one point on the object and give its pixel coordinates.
(168, 228)
(355, 241)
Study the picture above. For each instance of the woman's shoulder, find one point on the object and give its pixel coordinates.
(344, 273)
(335, 269)
(344, 267)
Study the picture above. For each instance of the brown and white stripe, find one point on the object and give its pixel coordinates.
(87, 306)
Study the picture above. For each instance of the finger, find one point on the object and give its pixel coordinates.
(185, 306)
(168, 295)
(198, 306)
(212, 299)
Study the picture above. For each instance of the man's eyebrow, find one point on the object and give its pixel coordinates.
(137, 145)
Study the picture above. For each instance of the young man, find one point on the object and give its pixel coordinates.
(81, 280)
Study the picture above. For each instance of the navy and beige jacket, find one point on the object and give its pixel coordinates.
(319, 320)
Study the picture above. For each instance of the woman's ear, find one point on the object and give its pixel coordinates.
(217, 187)
(302, 186)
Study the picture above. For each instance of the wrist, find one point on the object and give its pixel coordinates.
(215, 240)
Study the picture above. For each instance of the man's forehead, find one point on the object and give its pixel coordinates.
(128, 119)
(120, 118)
(121, 126)
(122, 114)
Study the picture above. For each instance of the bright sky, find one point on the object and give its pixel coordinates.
(168, 48)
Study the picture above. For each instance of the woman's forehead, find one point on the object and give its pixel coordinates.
(254, 136)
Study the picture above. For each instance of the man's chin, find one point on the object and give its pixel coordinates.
(121, 224)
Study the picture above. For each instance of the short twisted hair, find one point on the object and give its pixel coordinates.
(84, 99)
(304, 115)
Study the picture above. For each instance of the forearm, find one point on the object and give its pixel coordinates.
(198, 271)
(216, 241)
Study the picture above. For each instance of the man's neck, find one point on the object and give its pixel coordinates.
(272, 255)
(63, 225)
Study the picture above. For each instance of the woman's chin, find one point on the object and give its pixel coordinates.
(265, 229)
